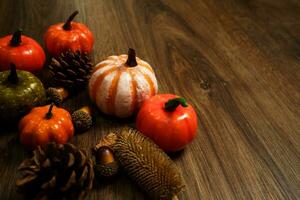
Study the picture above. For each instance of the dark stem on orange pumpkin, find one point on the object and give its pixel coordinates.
(49, 114)
(67, 26)
(13, 76)
(16, 38)
(131, 60)
(172, 104)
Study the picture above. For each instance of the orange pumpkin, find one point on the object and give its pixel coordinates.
(70, 35)
(45, 124)
(120, 84)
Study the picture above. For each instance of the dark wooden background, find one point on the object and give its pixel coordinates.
(236, 61)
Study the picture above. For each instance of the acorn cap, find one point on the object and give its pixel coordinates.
(82, 119)
(108, 170)
(56, 95)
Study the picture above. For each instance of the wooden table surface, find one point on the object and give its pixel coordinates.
(236, 61)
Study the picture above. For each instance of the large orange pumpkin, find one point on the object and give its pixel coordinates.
(120, 84)
(45, 124)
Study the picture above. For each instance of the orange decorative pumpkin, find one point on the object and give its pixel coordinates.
(45, 124)
(120, 84)
(70, 35)
(21, 50)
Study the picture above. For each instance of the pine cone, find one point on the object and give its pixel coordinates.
(56, 171)
(71, 70)
(145, 163)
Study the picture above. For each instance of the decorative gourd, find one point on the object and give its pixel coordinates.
(21, 50)
(19, 92)
(45, 124)
(70, 35)
(120, 84)
(168, 120)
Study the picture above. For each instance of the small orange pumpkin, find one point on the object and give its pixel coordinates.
(120, 84)
(45, 124)
(73, 36)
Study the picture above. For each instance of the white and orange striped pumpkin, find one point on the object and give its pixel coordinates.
(120, 84)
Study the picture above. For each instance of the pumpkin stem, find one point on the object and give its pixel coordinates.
(49, 114)
(16, 38)
(67, 25)
(131, 60)
(172, 104)
(13, 76)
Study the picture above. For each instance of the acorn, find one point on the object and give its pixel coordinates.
(106, 166)
(82, 119)
(56, 95)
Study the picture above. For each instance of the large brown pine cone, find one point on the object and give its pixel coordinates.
(71, 70)
(56, 171)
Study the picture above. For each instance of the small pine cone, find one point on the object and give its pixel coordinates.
(56, 171)
(71, 70)
(145, 163)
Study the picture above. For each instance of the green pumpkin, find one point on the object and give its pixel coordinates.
(20, 91)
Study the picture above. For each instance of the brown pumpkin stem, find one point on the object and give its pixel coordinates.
(13, 76)
(67, 26)
(172, 104)
(131, 60)
(16, 38)
(49, 114)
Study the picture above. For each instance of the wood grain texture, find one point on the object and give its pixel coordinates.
(236, 61)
